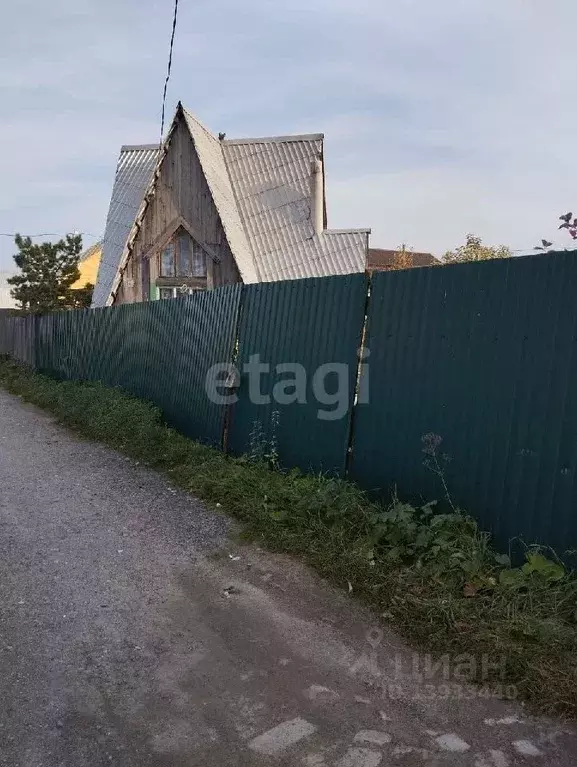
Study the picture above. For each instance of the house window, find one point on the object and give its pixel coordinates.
(198, 261)
(185, 256)
(164, 293)
(182, 257)
(180, 267)
(168, 261)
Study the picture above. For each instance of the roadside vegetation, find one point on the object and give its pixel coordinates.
(435, 577)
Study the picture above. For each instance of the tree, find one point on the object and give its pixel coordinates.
(47, 272)
(474, 250)
(82, 297)
(403, 259)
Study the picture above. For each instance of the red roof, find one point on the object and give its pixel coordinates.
(383, 260)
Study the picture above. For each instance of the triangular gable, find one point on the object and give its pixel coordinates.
(211, 159)
(179, 223)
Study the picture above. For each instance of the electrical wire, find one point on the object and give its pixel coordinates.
(168, 70)
(48, 234)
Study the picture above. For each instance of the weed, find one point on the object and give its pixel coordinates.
(262, 448)
(435, 462)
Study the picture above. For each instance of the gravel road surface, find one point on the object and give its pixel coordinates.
(135, 632)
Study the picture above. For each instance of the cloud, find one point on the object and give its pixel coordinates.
(439, 118)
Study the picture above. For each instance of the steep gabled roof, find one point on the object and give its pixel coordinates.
(133, 173)
(261, 188)
(210, 155)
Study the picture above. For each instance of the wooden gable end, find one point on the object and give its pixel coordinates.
(183, 199)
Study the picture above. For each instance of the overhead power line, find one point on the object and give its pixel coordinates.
(169, 67)
(48, 234)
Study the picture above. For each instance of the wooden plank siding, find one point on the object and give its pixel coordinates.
(181, 191)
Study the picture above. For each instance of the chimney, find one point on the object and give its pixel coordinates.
(317, 196)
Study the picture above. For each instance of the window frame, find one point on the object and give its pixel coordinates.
(166, 298)
(175, 243)
(172, 245)
(175, 291)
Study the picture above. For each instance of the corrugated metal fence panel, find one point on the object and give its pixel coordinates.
(11, 336)
(5, 333)
(44, 344)
(135, 361)
(208, 335)
(20, 339)
(17, 338)
(110, 345)
(312, 322)
(96, 368)
(70, 345)
(52, 343)
(121, 362)
(151, 338)
(485, 356)
(83, 347)
(159, 351)
(61, 364)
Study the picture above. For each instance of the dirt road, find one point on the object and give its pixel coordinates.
(134, 632)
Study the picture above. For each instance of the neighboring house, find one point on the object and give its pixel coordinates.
(6, 300)
(380, 260)
(88, 266)
(206, 211)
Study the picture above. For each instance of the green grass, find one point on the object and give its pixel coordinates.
(434, 577)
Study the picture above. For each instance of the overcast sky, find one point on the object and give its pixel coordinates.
(441, 118)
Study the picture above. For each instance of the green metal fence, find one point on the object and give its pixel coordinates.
(483, 356)
(160, 351)
(307, 323)
(17, 336)
(208, 337)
